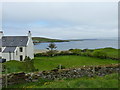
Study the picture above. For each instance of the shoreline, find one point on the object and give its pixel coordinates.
(43, 51)
(39, 51)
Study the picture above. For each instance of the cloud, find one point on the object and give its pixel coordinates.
(61, 20)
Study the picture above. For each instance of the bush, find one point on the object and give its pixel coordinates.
(84, 50)
(51, 53)
(99, 54)
(27, 59)
(40, 54)
(76, 51)
(87, 53)
(64, 53)
(29, 64)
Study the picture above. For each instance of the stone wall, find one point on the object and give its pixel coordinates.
(90, 71)
(80, 72)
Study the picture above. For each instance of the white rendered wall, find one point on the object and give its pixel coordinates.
(5, 56)
(18, 53)
(8, 56)
(2, 50)
(15, 55)
(30, 48)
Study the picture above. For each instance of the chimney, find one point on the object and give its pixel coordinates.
(29, 34)
(1, 34)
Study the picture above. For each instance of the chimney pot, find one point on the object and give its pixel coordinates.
(29, 33)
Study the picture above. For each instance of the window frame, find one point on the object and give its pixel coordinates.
(21, 49)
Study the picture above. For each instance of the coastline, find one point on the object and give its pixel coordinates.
(44, 50)
(39, 51)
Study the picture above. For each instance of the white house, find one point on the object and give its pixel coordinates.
(16, 47)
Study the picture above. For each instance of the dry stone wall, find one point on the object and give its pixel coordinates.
(80, 72)
(90, 71)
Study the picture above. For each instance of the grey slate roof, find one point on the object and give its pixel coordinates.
(9, 49)
(14, 41)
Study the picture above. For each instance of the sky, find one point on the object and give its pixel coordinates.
(61, 20)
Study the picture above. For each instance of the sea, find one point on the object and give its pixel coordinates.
(84, 44)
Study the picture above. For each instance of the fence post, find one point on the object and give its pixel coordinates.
(93, 70)
(6, 77)
(60, 66)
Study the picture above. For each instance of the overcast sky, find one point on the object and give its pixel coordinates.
(63, 20)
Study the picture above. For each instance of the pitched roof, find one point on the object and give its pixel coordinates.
(14, 41)
(9, 49)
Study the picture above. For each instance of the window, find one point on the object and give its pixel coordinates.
(21, 49)
(21, 57)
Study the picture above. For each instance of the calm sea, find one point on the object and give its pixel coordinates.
(86, 44)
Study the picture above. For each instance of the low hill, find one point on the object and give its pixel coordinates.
(41, 40)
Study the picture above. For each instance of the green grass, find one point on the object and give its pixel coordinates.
(107, 52)
(111, 52)
(15, 66)
(108, 81)
(70, 61)
(48, 63)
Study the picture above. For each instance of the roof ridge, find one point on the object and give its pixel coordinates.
(15, 36)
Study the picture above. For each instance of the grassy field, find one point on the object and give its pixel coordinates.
(108, 81)
(108, 52)
(111, 52)
(48, 63)
(69, 61)
(15, 66)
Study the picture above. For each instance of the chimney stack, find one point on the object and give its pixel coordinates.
(29, 34)
(1, 34)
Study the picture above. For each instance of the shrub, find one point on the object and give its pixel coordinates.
(29, 64)
(51, 53)
(84, 50)
(75, 51)
(41, 54)
(38, 54)
(88, 53)
(27, 58)
(100, 54)
(64, 53)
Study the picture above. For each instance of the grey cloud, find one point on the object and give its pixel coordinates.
(78, 20)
